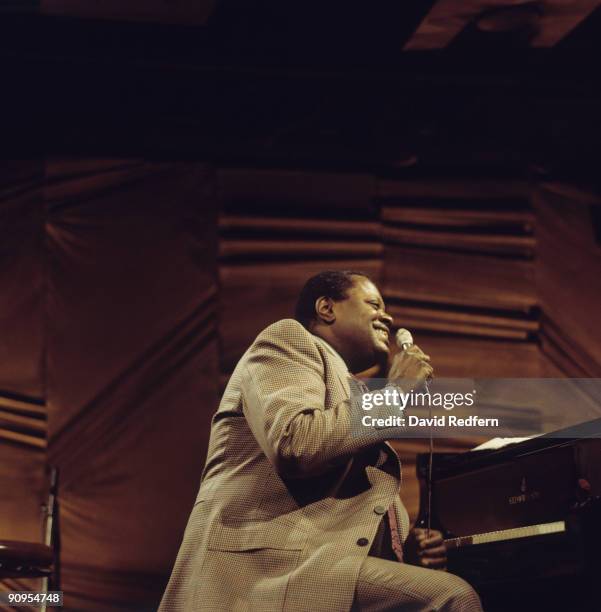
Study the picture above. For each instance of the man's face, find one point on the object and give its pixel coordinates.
(362, 326)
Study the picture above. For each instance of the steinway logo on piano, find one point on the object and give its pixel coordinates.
(525, 495)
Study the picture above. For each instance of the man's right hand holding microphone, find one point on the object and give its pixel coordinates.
(411, 370)
(410, 367)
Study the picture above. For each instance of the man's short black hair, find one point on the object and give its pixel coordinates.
(333, 284)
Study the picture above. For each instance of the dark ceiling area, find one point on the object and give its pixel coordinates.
(333, 84)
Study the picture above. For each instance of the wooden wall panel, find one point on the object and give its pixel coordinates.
(445, 277)
(473, 357)
(458, 261)
(278, 228)
(568, 277)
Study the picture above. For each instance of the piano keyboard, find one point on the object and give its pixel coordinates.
(507, 534)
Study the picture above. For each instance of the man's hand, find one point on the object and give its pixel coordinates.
(424, 551)
(410, 368)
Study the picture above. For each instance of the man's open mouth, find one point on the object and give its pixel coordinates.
(382, 333)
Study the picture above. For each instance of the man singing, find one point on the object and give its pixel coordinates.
(295, 510)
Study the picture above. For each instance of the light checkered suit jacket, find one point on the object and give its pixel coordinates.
(287, 491)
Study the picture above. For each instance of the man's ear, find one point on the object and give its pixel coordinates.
(324, 308)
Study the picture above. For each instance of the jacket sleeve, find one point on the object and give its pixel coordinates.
(284, 403)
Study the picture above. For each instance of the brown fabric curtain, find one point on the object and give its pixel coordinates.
(110, 314)
(22, 456)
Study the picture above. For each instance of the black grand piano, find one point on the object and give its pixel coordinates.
(522, 523)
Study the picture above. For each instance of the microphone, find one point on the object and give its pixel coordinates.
(404, 339)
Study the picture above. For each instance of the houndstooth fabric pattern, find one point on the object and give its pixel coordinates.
(289, 501)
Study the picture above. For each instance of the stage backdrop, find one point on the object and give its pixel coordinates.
(130, 289)
(109, 320)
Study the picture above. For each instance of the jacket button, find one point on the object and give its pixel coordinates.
(380, 510)
(362, 541)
